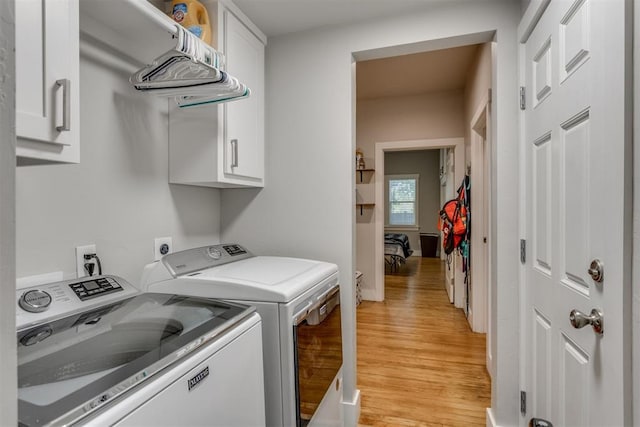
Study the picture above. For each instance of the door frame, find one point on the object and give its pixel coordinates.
(421, 144)
(8, 352)
(480, 229)
(635, 308)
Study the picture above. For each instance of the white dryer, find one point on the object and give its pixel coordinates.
(298, 301)
(97, 351)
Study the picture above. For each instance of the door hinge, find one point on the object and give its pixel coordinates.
(489, 96)
(523, 251)
(523, 98)
(523, 403)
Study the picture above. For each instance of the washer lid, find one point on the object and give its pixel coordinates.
(261, 278)
(71, 367)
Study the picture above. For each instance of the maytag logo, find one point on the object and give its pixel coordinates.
(198, 378)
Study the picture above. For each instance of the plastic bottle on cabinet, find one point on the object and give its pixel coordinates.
(192, 15)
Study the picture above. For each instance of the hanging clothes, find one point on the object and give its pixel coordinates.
(464, 196)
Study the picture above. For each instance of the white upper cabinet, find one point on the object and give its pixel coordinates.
(223, 145)
(47, 81)
(244, 120)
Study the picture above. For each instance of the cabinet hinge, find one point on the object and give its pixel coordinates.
(523, 251)
(523, 403)
(523, 99)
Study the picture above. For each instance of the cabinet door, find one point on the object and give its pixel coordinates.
(244, 119)
(47, 79)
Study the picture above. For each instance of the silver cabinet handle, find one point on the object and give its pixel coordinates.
(234, 153)
(66, 105)
(580, 320)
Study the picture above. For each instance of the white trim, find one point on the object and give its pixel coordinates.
(530, 18)
(635, 265)
(528, 22)
(478, 309)
(491, 421)
(421, 144)
(368, 294)
(351, 410)
(8, 353)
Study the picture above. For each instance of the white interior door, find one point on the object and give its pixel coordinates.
(577, 211)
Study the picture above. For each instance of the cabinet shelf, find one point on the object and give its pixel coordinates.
(364, 170)
(364, 205)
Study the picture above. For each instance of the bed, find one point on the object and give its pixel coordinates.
(396, 250)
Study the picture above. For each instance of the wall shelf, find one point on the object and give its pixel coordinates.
(364, 170)
(136, 29)
(364, 205)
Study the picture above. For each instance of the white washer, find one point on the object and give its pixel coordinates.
(97, 351)
(296, 299)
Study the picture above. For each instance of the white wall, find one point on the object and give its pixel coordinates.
(307, 207)
(8, 362)
(477, 86)
(118, 197)
(425, 116)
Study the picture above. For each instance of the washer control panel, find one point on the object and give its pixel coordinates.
(48, 301)
(94, 288)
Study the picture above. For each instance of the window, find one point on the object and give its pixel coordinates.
(402, 200)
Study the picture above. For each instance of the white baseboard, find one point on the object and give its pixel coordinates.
(491, 421)
(369, 295)
(417, 252)
(352, 410)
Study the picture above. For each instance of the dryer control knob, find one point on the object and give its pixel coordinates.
(35, 301)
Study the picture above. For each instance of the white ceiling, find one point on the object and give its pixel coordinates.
(276, 17)
(437, 70)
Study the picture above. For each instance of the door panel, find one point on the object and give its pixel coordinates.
(542, 194)
(575, 140)
(574, 37)
(574, 384)
(575, 202)
(541, 366)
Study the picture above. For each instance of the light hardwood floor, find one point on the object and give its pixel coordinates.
(419, 364)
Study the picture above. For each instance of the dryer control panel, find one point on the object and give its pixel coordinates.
(196, 259)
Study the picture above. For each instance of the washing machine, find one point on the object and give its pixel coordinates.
(299, 303)
(96, 351)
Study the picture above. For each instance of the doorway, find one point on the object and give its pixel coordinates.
(391, 128)
(455, 144)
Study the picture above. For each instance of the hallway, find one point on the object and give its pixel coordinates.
(419, 364)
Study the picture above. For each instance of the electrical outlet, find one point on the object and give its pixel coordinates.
(161, 247)
(80, 252)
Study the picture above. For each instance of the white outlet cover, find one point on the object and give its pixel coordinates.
(157, 244)
(80, 251)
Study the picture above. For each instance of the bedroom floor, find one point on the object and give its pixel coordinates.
(419, 364)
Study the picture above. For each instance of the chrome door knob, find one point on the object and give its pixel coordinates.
(580, 320)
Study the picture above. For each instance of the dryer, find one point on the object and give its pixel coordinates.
(97, 351)
(298, 301)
